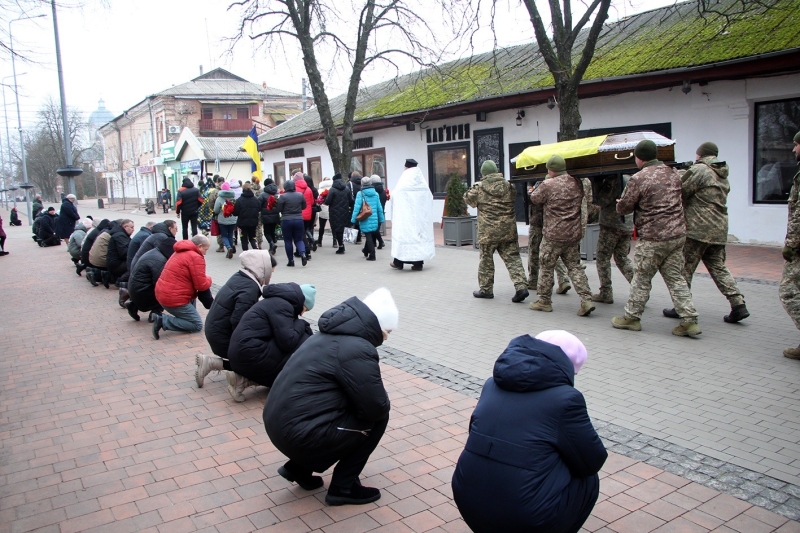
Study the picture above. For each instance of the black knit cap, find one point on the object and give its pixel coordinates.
(646, 150)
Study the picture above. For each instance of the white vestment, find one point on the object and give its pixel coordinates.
(412, 226)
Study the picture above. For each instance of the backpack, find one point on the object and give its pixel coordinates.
(227, 209)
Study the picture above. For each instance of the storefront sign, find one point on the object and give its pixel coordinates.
(190, 166)
(168, 151)
(147, 169)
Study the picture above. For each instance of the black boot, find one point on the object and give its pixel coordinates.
(123, 294)
(304, 259)
(132, 312)
(671, 313)
(738, 312)
(520, 295)
(340, 251)
(306, 480)
(355, 495)
(105, 275)
(91, 276)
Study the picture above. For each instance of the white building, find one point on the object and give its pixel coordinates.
(691, 78)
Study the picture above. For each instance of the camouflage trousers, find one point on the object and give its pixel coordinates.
(789, 289)
(665, 257)
(509, 253)
(617, 245)
(534, 243)
(259, 233)
(569, 252)
(713, 257)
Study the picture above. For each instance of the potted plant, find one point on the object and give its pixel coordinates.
(456, 221)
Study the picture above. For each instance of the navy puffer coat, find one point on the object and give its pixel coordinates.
(232, 301)
(136, 243)
(158, 233)
(269, 333)
(67, 218)
(146, 271)
(532, 456)
(117, 254)
(330, 389)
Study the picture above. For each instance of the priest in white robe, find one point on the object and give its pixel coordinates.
(412, 222)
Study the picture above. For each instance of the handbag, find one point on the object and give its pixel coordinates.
(350, 235)
(365, 212)
(214, 228)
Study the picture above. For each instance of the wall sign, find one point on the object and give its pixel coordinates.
(447, 133)
(295, 152)
(489, 146)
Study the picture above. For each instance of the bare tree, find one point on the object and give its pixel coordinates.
(387, 30)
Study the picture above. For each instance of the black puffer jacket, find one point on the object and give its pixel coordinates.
(248, 210)
(269, 216)
(232, 301)
(47, 226)
(532, 456)
(381, 194)
(332, 381)
(189, 199)
(88, 241)
(136, 243)
(159, 233)
(146, 271)
(67, 218)
(269, 333)
(338, 202)
(118, 248)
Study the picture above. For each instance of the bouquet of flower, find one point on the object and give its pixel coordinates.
(322, 196)
(388, 195)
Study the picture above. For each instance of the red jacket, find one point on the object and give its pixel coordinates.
(302, 187)
(183, 276)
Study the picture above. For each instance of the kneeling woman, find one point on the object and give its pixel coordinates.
(268, 334)
(532, 456)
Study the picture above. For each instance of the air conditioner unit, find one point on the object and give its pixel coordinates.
(173, 130)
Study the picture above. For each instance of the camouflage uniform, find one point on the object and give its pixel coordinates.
(535, 215)
(257, 190)
(654, 196)
(789, 289)
(562, 197)
(615, 238)
(497, 230)
(705, 198)
(211, 199)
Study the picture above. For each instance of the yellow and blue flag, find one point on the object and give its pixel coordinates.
(251, 147)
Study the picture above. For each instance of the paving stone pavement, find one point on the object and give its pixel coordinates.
(125, 416)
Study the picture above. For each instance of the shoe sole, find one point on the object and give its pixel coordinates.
(729, 321)
(542, 310)
(687, 334)
(344, 500)
(197, 378)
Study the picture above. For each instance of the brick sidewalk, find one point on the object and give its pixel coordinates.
(103, 429)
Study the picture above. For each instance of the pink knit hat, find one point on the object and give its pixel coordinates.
(569, 343)
(297, 176)
(225, 186)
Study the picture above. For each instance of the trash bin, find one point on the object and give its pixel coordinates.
(99, 203)
(589, 242)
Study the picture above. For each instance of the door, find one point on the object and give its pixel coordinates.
(315, 169)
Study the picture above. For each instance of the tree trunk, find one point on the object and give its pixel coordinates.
(569, 112)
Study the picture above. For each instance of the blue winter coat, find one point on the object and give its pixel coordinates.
(374, 201)
(67, 218)
(532, 456)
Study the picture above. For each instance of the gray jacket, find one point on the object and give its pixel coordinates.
(221, 197)
(291, 205)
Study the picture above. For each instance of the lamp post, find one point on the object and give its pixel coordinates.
(16, 94)
(8, 137)
(13, 188)
(70, 172)
(5, 196)
(28, 187)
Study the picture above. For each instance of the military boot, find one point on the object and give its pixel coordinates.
(586, 308)
(603, 298)
(563, 288)
(738, 312)
(520, 295)
(205, 364)
(539, 305)
(670, 313)
(624, 322)
(221, 249)
(237, 385)
(481, 294)
(687, 329)
(792, 353)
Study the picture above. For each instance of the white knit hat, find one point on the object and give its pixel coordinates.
(382, 304)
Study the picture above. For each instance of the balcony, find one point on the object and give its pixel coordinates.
(227, 126)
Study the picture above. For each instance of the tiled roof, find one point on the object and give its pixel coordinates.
(672, 37)
(228, 148)
(221, 83)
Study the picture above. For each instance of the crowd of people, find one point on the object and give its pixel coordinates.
(681, 219)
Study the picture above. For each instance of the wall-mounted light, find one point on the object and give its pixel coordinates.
(481, 116)
(551, 102)
(410, 126)
(520, 115)
(687, 87)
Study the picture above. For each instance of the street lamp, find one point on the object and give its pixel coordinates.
(8, 137)
(16, 94)
(70, 172)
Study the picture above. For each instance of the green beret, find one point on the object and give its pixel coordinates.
(646, 150)
(707, 148)
(797, 137)
(556, 163)
(488, 167)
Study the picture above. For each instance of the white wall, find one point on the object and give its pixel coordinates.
(722, 112)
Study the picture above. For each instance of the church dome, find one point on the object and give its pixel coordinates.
(100, 116)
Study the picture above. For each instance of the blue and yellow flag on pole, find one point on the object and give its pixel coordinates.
(251, 147)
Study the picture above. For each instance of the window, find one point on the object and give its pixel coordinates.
(370, 162)
(774, 164)
(444, 160)
(295, 167)
(315, 169)
(279, 173)
(242, 113)
(208, 113)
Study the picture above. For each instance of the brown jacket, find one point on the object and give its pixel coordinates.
(561, 197)
(653, 195)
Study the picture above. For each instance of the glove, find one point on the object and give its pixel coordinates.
(206, 298)
(788, 253)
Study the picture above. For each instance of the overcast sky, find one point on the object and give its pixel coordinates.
(123, 50)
